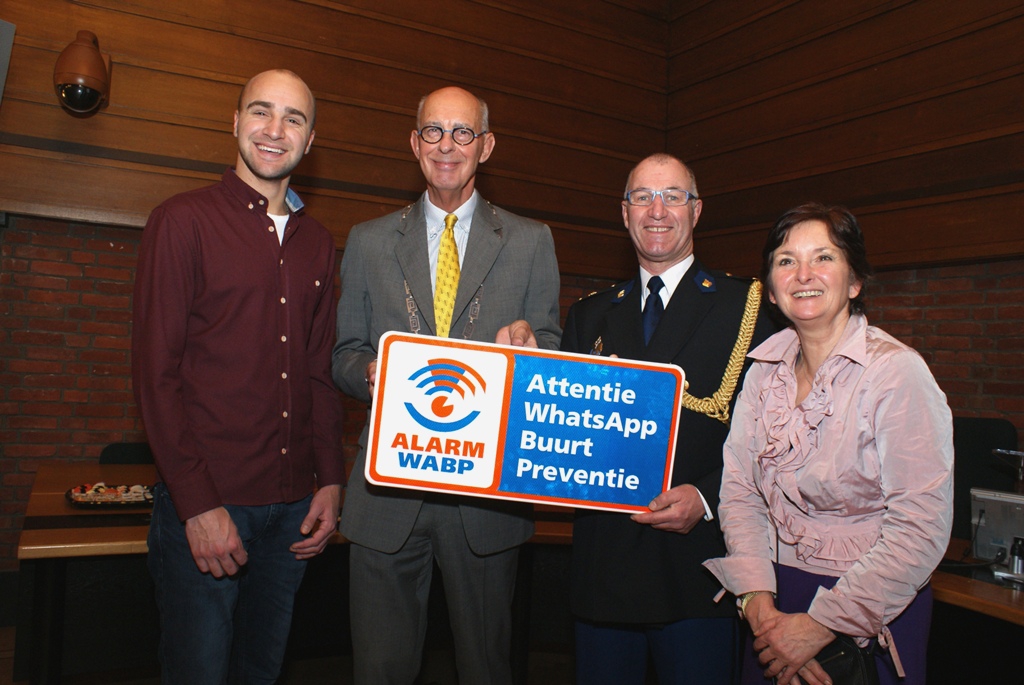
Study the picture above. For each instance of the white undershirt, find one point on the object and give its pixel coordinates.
(280, 220)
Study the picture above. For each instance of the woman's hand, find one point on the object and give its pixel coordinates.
(760, 611)
(786, 645)
(758, 608)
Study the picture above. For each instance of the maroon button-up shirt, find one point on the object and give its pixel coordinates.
(231, 350)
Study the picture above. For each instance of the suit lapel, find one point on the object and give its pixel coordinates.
(482, 248)
(411, 252)
(685, 311)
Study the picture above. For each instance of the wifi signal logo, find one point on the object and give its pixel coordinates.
(447, 382)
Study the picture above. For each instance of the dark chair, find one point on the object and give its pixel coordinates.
(974, 465)
(126, 453)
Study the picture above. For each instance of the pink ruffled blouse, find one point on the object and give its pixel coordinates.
(855, 482)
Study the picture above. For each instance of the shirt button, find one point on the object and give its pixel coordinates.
(284, 375)
(284, 338)
(284, 414)
(261, 203)
(270, 228)
(284, 450)
(318, 284)
(282, 300)
(250, 205)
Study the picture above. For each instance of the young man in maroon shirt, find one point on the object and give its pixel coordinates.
(231, 362)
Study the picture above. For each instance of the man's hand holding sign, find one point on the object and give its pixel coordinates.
(677, 510)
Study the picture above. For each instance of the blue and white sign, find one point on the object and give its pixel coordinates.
(523, 424)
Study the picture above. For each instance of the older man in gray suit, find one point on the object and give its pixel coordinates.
(395, 274)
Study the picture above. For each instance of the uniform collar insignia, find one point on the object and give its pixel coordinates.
(705, 282)
(623, 291)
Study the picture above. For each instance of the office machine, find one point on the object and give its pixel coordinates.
(997, 518)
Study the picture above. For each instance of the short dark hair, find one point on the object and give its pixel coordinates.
(843, 230)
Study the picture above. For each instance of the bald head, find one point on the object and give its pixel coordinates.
(245, 99)
(662, 234)
(451, 93)
(659, 159)
(274, 128)
(450, 167)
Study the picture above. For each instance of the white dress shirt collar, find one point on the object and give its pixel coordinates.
(434, 216)
(670, 278)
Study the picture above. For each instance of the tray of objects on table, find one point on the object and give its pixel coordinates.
(101, 494)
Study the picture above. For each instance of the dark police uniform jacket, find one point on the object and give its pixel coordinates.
(622, 571)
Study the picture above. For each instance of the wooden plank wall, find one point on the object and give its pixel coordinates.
(907, 111)
(911, 113)
(576, 91)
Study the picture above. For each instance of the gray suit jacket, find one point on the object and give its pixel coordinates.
(510, 268)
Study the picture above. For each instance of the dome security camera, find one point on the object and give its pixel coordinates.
(81, 77)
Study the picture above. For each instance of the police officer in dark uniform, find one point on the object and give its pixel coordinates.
(638, 588)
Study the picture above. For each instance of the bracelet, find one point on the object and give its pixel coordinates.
(745, 598)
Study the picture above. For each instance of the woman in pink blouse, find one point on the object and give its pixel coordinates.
(837, 495)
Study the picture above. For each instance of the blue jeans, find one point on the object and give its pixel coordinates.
(216, 629)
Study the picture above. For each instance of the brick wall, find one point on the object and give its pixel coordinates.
(968, 323)
(65, 389)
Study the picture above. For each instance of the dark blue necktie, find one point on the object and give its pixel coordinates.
(653, 308)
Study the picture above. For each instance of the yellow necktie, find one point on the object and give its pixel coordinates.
(447, 283)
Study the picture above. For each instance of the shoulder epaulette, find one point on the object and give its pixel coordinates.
(707, 281)
(620, 290)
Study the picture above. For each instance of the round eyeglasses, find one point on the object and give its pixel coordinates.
(642, 197)
(460, 134)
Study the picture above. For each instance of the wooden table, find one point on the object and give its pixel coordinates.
(53, 532)
(1000, 600)
(54, 529)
